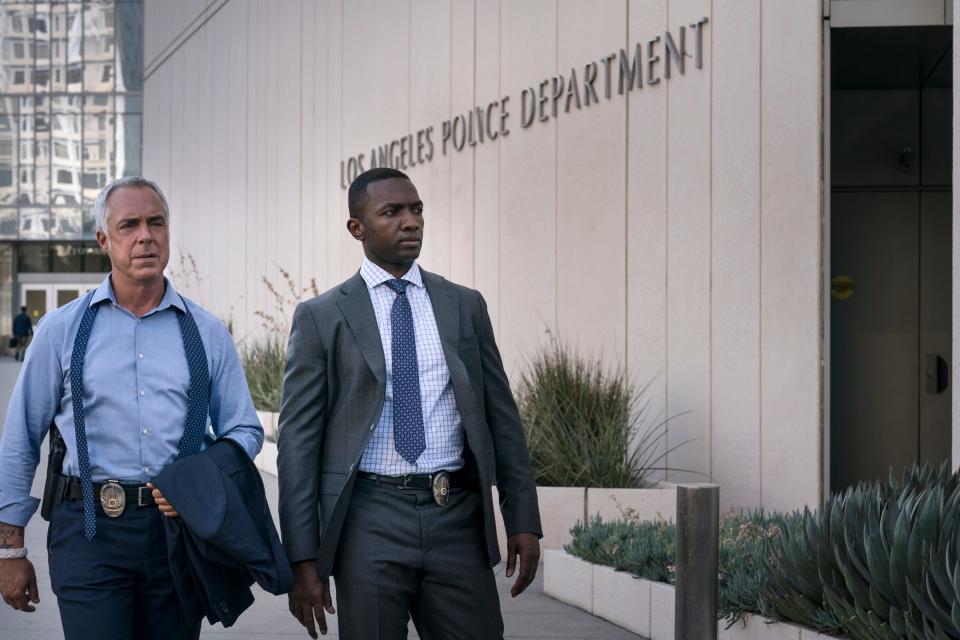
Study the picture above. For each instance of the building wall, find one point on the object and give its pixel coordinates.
(676, 229)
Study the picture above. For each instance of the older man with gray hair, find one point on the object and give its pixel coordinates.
(134, 376)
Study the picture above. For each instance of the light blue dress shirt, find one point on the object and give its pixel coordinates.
(136, 381)
(442, 426)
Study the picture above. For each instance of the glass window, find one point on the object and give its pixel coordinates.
(66, 258)
(129, 37)
(58, 151)
(67, 223)
(66, 104)
(34, 223)
(33, 257)
(8, 222)
(94, 260)
(129, 146)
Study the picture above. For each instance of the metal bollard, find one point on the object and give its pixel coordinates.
(698, 539)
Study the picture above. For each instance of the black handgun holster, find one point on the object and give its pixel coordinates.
(54, 487)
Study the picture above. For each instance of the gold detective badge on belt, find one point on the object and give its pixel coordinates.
(112, 498)
(441, 488)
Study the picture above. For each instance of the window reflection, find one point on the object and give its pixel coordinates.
(8, 223)
(71, 74)
(66, 223)
(34, 223)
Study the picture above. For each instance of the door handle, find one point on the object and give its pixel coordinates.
(938, 374)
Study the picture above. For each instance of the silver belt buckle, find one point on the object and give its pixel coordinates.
(441, 488)
(112, 498)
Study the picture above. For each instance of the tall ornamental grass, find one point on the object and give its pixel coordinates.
(263, 364)
(587, 425)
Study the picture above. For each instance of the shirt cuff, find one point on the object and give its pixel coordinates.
(17, 510)
(249, 442)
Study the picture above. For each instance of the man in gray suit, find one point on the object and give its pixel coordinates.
(396, 419)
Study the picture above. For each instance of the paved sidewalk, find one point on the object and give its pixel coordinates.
(531, 616)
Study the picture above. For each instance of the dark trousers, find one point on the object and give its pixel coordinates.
(400, 555)
(118, 586)
(22, 343)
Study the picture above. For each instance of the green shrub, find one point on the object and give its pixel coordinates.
(263, 365)
(583, 423)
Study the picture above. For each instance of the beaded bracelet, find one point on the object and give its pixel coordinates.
(13, 554)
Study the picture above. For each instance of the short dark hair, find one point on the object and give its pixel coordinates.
(357, 194)
(23, 309)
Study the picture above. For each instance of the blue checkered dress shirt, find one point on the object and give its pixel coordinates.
(441, 418)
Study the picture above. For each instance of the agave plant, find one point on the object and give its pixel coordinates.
(879, 562)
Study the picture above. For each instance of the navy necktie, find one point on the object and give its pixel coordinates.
(408, 436)
(197, 403)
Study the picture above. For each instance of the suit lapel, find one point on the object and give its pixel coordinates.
(358, 311)
(446, 310)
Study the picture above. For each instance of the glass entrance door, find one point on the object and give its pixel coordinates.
(41, 298)
(35, 300)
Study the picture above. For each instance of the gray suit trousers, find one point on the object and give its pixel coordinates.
(402, 555)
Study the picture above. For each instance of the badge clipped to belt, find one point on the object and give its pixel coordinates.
(112, 499)
(441, 488)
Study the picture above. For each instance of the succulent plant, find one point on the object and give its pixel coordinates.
(879, 561)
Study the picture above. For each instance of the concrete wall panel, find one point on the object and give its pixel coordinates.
(336, 238)
(646, 229)
(441, 80)
(486, 193)
(463, 96)
(591, 198)
(528, 186)
(790, 263)
(688, 248)
(735, 326)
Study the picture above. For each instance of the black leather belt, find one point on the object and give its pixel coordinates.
(136, 495)
(460, 479)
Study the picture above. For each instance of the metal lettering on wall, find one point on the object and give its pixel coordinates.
(622, 72)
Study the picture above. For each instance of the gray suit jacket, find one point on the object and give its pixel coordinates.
(333, 394)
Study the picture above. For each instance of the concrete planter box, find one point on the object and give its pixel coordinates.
(568, 579)
(269, 421)
(615, 598)
(645, 504)
(641, 606)
(562, 507)
(266, 460)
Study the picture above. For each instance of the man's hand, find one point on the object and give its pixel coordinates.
(18, 580)
(165, 507)
(310, 596)
(18, 584)
(527, 546)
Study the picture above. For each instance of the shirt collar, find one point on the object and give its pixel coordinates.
(105, 292)
(374, 275)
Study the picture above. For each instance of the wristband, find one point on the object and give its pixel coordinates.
(13, 554)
